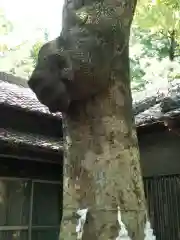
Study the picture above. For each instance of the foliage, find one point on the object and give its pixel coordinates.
(16, 57)
(161, 17)
(5, 25)
(35, 50)
(158, 15)
(150, 45)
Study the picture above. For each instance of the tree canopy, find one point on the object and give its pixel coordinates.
(155, 39)
(154, 45)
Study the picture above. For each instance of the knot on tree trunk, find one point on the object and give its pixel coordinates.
(78, 64)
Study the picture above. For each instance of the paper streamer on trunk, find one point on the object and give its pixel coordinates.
(82, 213)
(123, 233)
(148, 232)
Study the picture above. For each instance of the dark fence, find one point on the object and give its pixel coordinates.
(163, 199)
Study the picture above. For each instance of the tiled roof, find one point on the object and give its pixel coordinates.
(31, 140)
(155, 107)
(21, 97)
(149, 107)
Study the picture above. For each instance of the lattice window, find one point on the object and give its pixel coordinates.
(29, 209)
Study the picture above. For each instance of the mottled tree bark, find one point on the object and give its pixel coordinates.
(101, 159)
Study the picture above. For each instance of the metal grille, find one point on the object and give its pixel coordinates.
(29, 209)
(163, 199)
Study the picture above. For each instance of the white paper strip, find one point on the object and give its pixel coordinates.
(123, 233)
(81, 221)
(148, 232)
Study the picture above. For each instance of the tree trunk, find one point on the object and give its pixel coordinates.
(101, 159)
(172, 46)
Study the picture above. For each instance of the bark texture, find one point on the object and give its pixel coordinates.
(101, 159)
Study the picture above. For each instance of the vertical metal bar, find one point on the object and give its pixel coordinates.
(171, 205)
(157, 205)
(163, 200)
(174, 206)
(177, 203)
(163, 221)
(151, 203)
(31, 212)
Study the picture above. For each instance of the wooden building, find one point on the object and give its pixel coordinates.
(30, 166)
(31, 163)
(158, 127)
